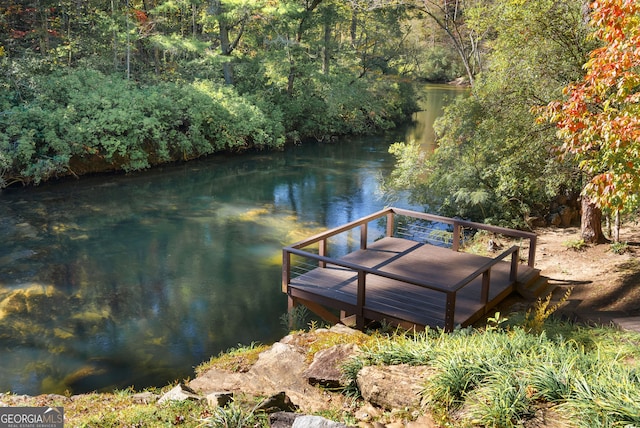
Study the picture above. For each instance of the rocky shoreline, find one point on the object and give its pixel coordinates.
(295, 388)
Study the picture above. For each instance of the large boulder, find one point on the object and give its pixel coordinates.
(325, 370)
(393, 387)
(278, 369)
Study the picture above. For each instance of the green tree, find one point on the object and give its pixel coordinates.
(492, 162)
(599, 121)
(231, 17)
(326, 66)
(451, 17)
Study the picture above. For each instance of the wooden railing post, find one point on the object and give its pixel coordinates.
(360, 299)
(532, 252)
(455, 245)
(286, 270)
(364, 230)
(322, 251)
(390, 224)
(450, 311)
(486, 281)
(515, 258)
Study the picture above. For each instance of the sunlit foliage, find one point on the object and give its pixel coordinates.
(493, 163)
(599, 121)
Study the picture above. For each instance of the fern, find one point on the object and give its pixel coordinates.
(536, 316)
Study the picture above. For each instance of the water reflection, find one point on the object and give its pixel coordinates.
(113, 281)
(434, 99)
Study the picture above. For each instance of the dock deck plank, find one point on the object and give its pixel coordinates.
(402, 302)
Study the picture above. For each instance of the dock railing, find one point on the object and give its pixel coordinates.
(322, 258)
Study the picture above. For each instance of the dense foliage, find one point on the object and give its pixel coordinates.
(84, 120)
(599, 122)
(492, 162)
(125, 84)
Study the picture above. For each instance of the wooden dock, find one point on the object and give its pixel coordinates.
(402, 280)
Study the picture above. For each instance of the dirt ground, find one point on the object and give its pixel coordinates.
(606, 285)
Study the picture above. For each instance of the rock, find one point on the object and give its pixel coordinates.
(555, 219)
(392, 387)
(219, 399)
(316, 422)
(145, 397)
(566, 215)
(367, 413)
(282, 419)
(279, 402)
(343, 329)
(281, 364)
(363, 424)
(278, 369)
(493, 246)
(325, 368)
(424, 421)
(181, 392)
(536, 221)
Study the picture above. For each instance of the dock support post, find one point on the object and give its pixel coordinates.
(513, 275)
(532, 252)
(322, 251)
(486, 281)
(449, 312)
(286, 270)
(360, 299)
(455, 245)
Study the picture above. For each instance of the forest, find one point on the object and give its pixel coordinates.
(99, 85)
(124, 85)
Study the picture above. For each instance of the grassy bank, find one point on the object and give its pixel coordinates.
(504, 375)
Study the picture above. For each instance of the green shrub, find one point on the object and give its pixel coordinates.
(94, 119)
(343, 105)
(575, 244)
(231, 416)
(619, 247)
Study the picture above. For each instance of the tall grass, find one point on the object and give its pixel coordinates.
(500, 377)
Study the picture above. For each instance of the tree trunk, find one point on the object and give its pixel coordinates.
(591, 222)
(353, 29)
(225, 50)
(326, 49)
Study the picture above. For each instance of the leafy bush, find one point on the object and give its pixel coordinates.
(84, 120)
(231, 416)
(440, 65)
(78, 121)
(343, 105)
(575, 244)
(619, 247)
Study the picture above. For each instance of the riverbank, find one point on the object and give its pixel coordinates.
(297, 376)
(605, 288)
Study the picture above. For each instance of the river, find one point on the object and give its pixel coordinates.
(132, 280)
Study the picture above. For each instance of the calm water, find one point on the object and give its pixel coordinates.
(434, 100)
(113, 281)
